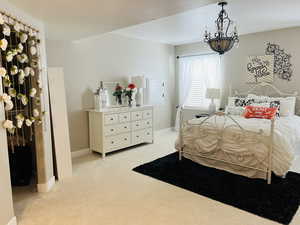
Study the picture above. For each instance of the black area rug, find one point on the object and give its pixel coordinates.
(278, 201)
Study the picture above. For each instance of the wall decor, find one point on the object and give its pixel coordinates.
(260, 69)
(282, 62)
(20, 75)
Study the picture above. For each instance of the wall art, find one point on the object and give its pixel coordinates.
(21, 82)
(282, 62)
(260, 69)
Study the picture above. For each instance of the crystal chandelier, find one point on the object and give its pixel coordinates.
(222, 41)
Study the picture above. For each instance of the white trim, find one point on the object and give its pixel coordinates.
(80, 152)
(164, 130)
(13, 221)
(46, 187)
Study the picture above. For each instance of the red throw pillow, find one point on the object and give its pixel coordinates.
(260, 112)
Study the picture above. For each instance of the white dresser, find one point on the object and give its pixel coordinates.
(112, 129)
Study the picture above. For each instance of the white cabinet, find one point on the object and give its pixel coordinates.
(117, 128)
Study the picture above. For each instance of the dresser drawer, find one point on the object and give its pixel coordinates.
(147, 123)
(111, 119)
(111, 130)
(138, 115)
(126, 127)
(137, 125)
(147, 114)
(137, 137)
(148, 135)
(124, 117)
(118, 141)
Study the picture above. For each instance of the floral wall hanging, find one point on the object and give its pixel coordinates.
(260, 69)
(282, 62)
(19, 72)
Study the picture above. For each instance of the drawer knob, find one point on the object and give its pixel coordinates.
(112, 142)
(111, 129)
(137, 125)
(125, 127)
(137, 136)
(148, 133)
(125, 139)
(111, 118)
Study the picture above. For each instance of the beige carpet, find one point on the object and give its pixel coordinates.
(108, 192)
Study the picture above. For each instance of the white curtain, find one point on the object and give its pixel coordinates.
(184, 81)
(196, 74)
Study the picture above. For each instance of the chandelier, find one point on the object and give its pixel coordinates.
(222, 41)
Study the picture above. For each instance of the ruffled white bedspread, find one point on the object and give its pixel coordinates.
(204, 139)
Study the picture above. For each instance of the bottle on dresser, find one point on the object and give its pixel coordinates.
(101, 97)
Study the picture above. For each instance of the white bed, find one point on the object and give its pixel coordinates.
(248, 147)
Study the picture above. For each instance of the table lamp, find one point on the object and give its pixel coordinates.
(213, 93)
(140, 83)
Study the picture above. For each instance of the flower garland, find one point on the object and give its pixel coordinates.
(19, 70)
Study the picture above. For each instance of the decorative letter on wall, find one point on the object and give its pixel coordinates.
(260, 69)
(282, 64)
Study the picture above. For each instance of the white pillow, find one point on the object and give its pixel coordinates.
(231, 101)
(287, 106)
(235, 110)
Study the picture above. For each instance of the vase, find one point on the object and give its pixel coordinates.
(119, 99)
(133, 99)
(129, 101)
(97, 102)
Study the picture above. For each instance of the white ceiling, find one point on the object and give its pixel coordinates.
(250, 16)
(77, 19)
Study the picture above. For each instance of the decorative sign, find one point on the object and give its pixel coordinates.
(260, 69)
(282, 64)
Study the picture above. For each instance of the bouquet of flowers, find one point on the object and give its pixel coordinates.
(118, 94)
(129, 91)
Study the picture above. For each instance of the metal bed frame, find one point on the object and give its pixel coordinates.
(221, 130)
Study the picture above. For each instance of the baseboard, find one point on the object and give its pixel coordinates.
(81, 152)
(13, 221)
(46, 187)
(165, 130)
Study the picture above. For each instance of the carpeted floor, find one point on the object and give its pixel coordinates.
(108, 192)
(278, 201)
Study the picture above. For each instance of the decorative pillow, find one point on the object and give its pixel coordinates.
(243, 102)
(231, 101)
(272, 104)
(236, 105)
(258, 98)
(259, 112)
(287, 106)
(233, 110)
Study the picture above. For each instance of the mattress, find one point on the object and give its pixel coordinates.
(247, 151)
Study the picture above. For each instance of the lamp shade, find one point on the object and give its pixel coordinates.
(213, 93)
(139, 81)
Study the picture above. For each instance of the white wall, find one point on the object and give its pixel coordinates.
(234, 62)
(6, 211)
(109, 57)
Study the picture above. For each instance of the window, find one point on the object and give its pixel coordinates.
(196, 74)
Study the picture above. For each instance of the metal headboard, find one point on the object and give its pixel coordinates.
(264, 86)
